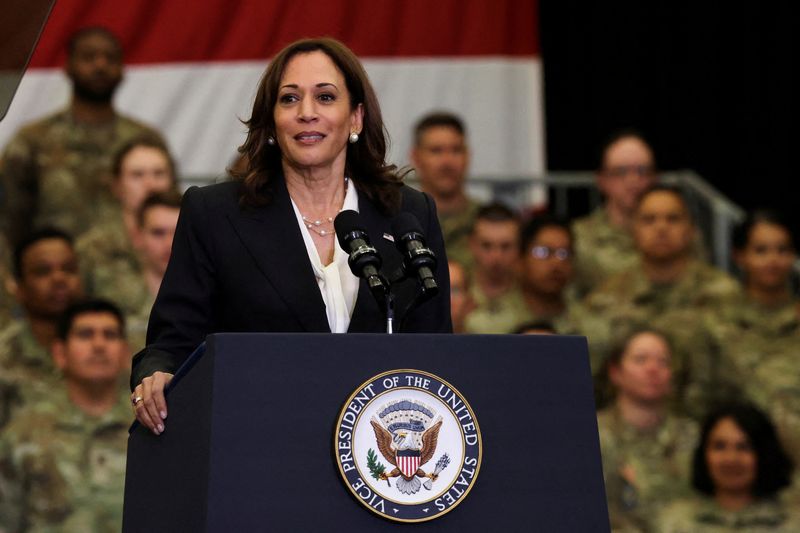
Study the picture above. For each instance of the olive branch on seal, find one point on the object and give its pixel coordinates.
(375, 468)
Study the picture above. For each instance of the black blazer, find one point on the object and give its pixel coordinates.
(247, 269)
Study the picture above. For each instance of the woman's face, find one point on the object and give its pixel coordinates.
(732, 462)
(313, 118)
(144, 170)
(768, 256)
(644, 372)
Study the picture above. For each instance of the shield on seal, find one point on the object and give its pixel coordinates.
(408, 462)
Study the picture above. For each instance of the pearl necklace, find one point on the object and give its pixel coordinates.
(316, 224)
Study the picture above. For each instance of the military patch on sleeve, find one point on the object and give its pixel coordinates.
(408, 445)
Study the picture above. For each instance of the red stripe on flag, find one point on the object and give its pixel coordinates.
(153, 31)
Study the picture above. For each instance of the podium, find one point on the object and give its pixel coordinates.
(248, 444)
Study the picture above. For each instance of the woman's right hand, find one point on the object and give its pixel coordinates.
(149, 403)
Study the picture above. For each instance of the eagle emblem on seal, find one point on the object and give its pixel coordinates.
(406, 433)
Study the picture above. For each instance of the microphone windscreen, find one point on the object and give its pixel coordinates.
(405, 223)
(345, 223)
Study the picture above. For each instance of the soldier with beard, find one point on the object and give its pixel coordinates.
(55, 171)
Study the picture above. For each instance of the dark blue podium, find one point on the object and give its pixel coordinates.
(248, 444)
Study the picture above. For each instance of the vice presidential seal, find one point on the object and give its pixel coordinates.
(408, 445)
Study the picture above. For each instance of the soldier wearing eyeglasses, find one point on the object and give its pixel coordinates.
(546, 272)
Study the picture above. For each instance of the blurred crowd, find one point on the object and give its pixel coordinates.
(696, 385)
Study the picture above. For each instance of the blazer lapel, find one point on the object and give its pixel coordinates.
(366, 312)
(273, 238)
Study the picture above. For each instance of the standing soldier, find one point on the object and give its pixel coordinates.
(62, 460)
(55, 171)
(441, 157)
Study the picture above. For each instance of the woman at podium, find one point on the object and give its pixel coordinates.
(259, 252)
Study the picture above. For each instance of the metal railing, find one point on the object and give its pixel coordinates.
(716, 215)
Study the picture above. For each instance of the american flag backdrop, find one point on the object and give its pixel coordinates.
(193, 66)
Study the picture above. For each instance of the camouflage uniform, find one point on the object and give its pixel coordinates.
(110, 267)
(136, 325)
(496, 315)
(58, 172)
(644, 469)
(749, 334)
(629, 300)
(603, 250)
(63, 470)
(6, 301)
(702, 515)
(763, 346)
(26, 368)
(456, 228)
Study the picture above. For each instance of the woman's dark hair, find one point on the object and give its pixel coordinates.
(144, 141)
(741, 234)
(366, 159)
(774, 466)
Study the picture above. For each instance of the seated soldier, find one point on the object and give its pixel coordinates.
(157, 219)
(739, 468)
(47, 281)
(546, 272)
(110, 265)
(668, 289)
(62, 459)
(494, 244)
(646, 450)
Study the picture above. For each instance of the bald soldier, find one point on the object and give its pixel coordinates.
(62, 459)
(55, 171)
(668, 289)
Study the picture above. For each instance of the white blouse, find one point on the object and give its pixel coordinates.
(337, 283)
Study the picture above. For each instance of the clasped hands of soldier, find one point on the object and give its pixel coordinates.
(149, 403)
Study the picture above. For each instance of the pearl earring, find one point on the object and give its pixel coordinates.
(353, 138)
(271, 140)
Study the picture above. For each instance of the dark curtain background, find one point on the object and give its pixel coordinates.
(712, 85)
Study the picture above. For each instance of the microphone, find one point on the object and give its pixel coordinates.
(417, 257)
(364, 260)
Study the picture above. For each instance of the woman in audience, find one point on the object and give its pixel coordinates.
(739, 468)
(109, 261)
(646, 450)
(764, 322)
